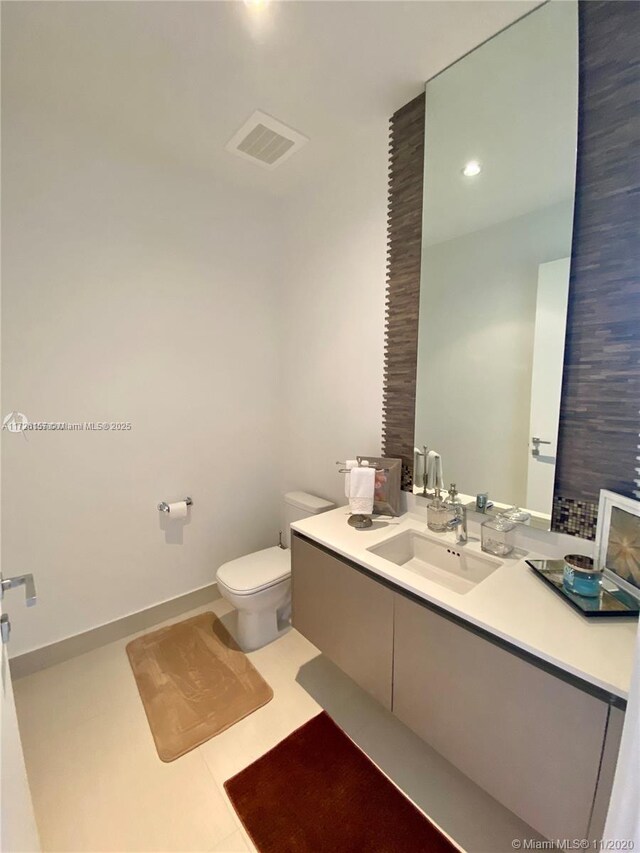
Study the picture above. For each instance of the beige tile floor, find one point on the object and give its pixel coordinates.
(98, 784)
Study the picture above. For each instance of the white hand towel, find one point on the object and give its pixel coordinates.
(362, 483)
(350, 463)
(435, 479)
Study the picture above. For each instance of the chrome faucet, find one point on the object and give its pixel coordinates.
(459, 524)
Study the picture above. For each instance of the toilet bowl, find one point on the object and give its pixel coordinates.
(258, 585)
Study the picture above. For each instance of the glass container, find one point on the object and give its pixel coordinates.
(497, 536)
(438, 514)
(580, 576)
(514, 513)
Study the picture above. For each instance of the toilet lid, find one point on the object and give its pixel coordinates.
(256, 571)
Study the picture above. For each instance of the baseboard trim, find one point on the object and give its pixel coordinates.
(71, 647)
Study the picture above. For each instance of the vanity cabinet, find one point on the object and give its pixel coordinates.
(540, 744)
(346, 614)
(531, 740)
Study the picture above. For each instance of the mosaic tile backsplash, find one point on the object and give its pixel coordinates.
(577, 518)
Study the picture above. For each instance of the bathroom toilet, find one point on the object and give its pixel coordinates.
(258, 585)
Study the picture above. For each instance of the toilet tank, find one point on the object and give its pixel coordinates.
(299, 505)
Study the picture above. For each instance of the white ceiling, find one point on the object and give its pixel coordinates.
(174, 80)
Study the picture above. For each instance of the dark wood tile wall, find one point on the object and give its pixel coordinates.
(404, 251)
(600, 412)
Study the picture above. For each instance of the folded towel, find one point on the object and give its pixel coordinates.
(350, 463)
(361, 487)
(435, 479)
(420, 458)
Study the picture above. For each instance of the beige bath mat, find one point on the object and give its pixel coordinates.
(194, 682)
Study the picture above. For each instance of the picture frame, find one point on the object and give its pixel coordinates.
(387, 495)
(617, 546)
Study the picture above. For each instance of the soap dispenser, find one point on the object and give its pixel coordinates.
(453, 504)
(453, 499)
(437, 514)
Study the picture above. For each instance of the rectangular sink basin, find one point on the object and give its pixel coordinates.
(451, 566)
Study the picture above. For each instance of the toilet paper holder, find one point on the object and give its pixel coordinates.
(163, 506)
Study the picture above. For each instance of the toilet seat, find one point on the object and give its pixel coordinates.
(256, 572)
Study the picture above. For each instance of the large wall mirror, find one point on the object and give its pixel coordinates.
(499, 184)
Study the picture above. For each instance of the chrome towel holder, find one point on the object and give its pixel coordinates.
(163, 506)
(359, 459)
(359, 520)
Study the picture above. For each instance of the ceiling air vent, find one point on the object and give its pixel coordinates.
(265, 141)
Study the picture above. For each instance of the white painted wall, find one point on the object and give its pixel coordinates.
(143, 293)
(333, 308)
(247, 364)
(477, 317)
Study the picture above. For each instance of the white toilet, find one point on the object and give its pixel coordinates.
(259, 584)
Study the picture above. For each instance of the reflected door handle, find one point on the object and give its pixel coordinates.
(5, 628)
(20, 580)
(535, 450)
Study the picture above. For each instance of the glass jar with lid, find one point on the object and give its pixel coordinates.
(514, 513)
(497, 536)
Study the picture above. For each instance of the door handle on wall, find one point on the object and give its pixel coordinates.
(20, 580)
(535, 450)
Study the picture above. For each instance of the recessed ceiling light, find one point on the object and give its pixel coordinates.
(471, 169)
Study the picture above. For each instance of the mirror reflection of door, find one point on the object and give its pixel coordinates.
(499, 185)
(546, 381)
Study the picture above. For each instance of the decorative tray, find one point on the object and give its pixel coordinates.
(612, 600)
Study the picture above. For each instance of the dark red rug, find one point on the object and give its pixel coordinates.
(317, 792)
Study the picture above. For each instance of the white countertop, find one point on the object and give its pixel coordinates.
(512, 603)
